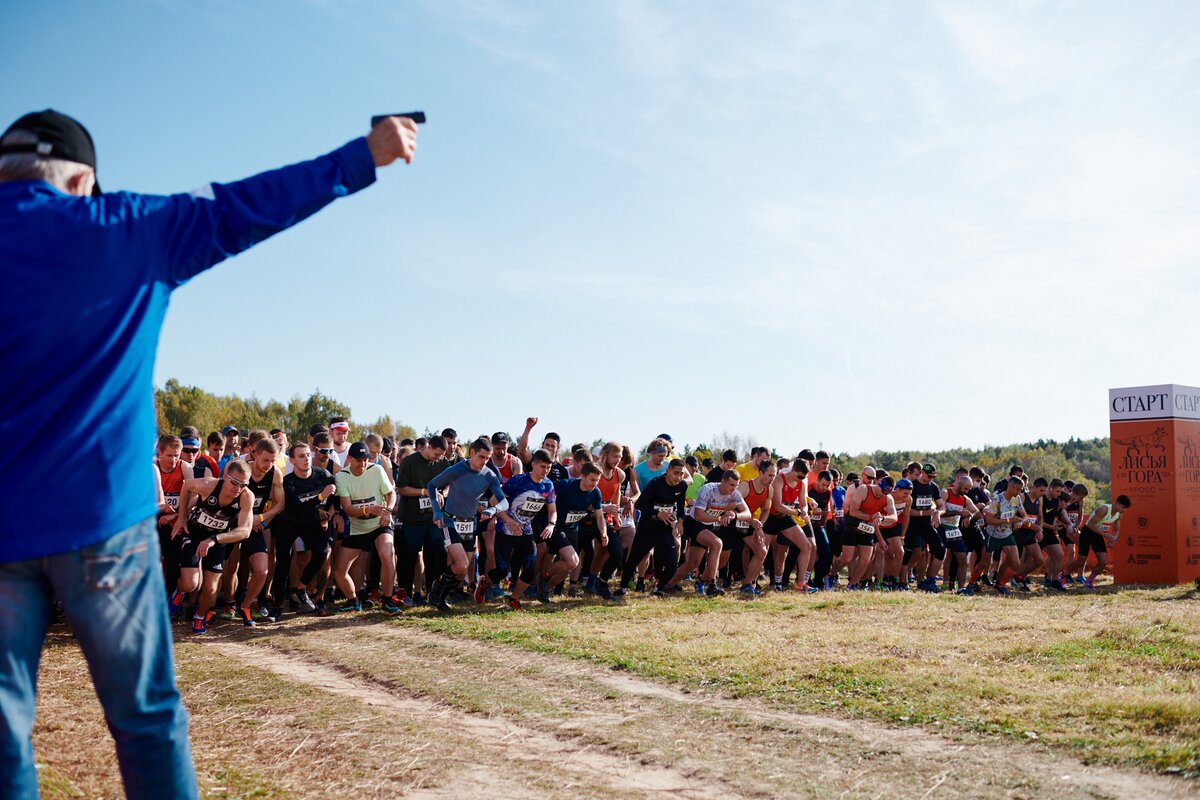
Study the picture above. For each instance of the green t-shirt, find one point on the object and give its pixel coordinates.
(693, 491)
(363, 490)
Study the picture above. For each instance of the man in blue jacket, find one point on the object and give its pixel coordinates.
(93, 273)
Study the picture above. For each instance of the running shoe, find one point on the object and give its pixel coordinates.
(1055, 586)
(672, 589)
(275, 615)
(657, 592)
(495, 593)
(304, 603)
(349, 606)
(175, 602)
(778, 587)
(589, 585)
(247, 618)
(1082, 581)
(641, 585)
(804, 588)
(601, 590)
(700, 588)
(419, 599)
(389, 605)
(365, 600)
(1003, 591)
(828, 582)
(512, 603)
(530, 593)
(968, 591)
(198, 625)
(1088, 584)
(853, 587)
(572, 591)
(481, 593)
(748, 591)
(714, 590)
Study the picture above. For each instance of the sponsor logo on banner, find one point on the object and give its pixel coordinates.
(1142, 459)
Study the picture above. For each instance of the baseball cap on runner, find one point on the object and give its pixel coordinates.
(667, 437)
(929, 469)
(499, 437)
(359, 450)
(228, 429)
(903, 483)
(58, 136)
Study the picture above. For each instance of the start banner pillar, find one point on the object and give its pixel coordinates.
(1154, 440)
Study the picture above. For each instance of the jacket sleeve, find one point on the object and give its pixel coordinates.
(192, 232)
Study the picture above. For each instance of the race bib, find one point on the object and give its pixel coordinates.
(1073, 518)
(1104, 528)
(424, 503)
(741, 523)
(369, 501)
(211, 522)
(953, 533)
(575, 516)
(464, 526)
(532, 506)
(866, 527)
(1007, 514)
(669, 509)
(258, 504)
(923, 503)
(172, 501)
(839, 513)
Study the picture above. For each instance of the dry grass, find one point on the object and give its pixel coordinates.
(1113, 677)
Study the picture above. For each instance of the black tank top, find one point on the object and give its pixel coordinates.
(208, 517)
(261, 489)
(1050, 508)
(1031, 505)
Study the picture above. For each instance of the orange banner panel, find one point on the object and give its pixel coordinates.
(1143, 467)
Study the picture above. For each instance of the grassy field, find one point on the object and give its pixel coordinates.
(1112, 676)
(796, 696)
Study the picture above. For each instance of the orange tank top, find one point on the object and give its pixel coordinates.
(873, 504)
(756, 500)
(610, 488)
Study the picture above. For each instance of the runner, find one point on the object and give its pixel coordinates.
(757, 494)
(922, 527)
(891, 574)
(1099, 533)
(1073, 520)
(655, 463)
(1052, 528)
(787, 526)
(366, 494)
(1004, 511)
(305, 516)
(718, 505)
(339, 429)
(528, 511)
(868, 508)
(551, 443)
(457, 512)
(172, 471)
(266, 484)
(957, 510)
(606, 559)
(419, 533)
(214, 513)
(1029, 534)
(659, 526)
(576, 499)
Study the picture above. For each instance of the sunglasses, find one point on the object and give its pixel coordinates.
(326, 450)
(191, 450)
(237, 483)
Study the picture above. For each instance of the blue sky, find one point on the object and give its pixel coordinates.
(860, 225)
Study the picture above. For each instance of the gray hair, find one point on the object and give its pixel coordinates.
(57, 172)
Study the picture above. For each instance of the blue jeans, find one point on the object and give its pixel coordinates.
(113, 596)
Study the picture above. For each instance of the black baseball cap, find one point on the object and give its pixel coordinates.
(359, 450)
(228, 429)
(929, 469)
(58, 136)
(499, 437)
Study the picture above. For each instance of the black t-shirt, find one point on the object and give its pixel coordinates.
(1050, 508)
(301, 496)
(924, 498)
(659, 495)
(715, 475)
(415, 472)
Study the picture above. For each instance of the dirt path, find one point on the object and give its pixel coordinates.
(498, 740)
(613, 729)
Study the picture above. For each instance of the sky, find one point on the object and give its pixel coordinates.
(850, 225)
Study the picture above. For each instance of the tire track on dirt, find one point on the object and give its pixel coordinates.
(592, 768)
(1033, 765)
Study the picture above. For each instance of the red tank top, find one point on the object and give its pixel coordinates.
(756, 500)
(505, 469)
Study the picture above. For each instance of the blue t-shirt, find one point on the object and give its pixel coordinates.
(526, 499)
(839, 497)
(645, 474)
(573, 504)
(467, 488)
(93, 276)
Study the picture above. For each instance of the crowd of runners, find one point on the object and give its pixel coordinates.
(252, 527)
